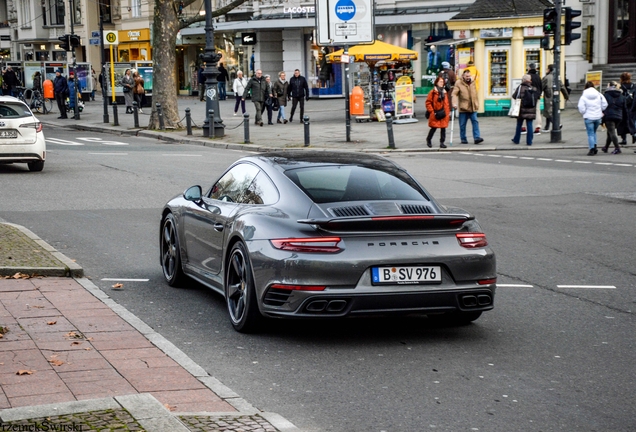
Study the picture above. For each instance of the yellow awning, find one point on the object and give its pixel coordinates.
(374, 52)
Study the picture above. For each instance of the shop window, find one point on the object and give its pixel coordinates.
(59, 55)
(42, 55)
(498, 73)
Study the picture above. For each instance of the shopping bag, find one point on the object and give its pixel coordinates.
(515, 106)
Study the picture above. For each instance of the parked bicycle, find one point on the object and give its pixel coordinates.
(35, 100)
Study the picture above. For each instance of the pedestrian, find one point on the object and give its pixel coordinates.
(280, 91)
(94, 83)
(449, 76)
(37, 81)
(528, 95)
(591, 106)
(239, 86)
(257, 88)
(465, 98)
(102, 81)
(298, 92)
(60, 90)
(269, 99)
(628, 124)
(127, 82)
(201, 81)
(438, 110)
(11, 81)
(536, 83)
(613, 115)
(222, 79)
(548, 93)
(138, 90)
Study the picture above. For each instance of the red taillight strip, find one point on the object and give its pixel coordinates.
(487, 281)
(308, 244)
(472, 240)
(298, 287)
(388, 218)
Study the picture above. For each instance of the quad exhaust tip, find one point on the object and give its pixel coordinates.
(331, 306)
(471, 301)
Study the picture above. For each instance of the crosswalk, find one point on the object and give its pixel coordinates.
(543, 159)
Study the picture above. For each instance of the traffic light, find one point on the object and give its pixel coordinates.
(549, 21)
(570, 25)
(65, 42)
(75, 40)
(545, 42)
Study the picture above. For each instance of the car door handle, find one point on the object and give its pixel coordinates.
(218, 227)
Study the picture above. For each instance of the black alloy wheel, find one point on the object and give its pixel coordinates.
(170, 255)
(239, 291)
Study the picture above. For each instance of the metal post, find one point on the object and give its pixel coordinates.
(306, 123)
(188, 122)
(76, 114)
(162, 125)
(347, 97)
(246, 127)
(136, 114)
(211, 122)
(555, 133)
(389, 130)
(211, 57)
(103, 71)
(115, 116)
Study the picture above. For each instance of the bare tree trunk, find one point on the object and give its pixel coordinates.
(165, 29)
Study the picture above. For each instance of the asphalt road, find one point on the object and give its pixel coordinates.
(556, 353)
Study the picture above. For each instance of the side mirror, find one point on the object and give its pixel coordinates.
(193, 193)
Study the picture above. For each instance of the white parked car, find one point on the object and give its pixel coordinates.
(21, 137)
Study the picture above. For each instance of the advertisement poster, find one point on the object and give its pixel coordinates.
(404, 99)
(29, 71)
(146, 74)
(596, 77)
(465, 57)
(84, 82)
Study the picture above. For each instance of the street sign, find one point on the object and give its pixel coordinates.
(93, 41)
(345, 22)
(95, 34)
(111, 38)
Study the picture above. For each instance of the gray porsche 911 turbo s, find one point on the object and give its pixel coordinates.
(303, 234)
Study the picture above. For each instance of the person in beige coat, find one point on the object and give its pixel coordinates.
(465, 98)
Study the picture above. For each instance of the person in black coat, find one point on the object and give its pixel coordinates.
(628, 124)
(298, 92)
(536, 83)
(60, 90)
(222, 79)
(613, 115)
(527, 113)
(11, 81)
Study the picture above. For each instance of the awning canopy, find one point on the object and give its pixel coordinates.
(452, 41)
(374, 52)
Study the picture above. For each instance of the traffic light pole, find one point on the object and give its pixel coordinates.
(76, 115)
(103, 61)
(555, 133)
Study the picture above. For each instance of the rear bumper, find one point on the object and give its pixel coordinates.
(21, 157)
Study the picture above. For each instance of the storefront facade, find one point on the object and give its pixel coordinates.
(134, 45)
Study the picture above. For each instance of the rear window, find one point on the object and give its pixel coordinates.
(14, 110)
(354, 183)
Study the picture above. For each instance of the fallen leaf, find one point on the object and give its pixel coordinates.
(75, 343)
(1, 335)
(118, 285)
(87, 349)
(51, 323)
(19, 275)
(39, 307)
(89, 339)
(24, 372)
(170, 407)
(73, 335)
(56, 362)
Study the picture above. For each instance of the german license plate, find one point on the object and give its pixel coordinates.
(406, 275)
(11, 133)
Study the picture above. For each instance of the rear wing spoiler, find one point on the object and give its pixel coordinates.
(390, 223)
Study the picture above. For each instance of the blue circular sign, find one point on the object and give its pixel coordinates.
(345, 10)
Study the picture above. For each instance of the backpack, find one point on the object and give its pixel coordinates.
(528, 100)
(629, 96)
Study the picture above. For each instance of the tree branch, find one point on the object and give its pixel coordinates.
(215, 13)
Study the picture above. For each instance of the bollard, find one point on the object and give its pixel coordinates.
(246, 127)
(136, 114)
(306, 123)
(389, 130)
(115, 117)
(162, 125)
(188, 122)
(211, 122)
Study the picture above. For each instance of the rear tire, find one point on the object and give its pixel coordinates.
(170, 252)
(240, 294)
(36, 166)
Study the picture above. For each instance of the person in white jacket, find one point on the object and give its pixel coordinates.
(591, 106)
(239, 88)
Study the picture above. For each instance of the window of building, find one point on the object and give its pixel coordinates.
(104, 9)
(57, 12)
(135, 6)
(77, 12)
(25, 14)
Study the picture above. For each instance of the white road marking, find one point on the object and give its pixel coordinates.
(109, 154)
(588, 286)
(583, 162)
(510, 157)
(62, 142)
(603, 163)
(627, 165)
(101, 141)
(183, 155)
(562, 160)
(514, 286)
(125, 280)
(544, 159)
(526, 158)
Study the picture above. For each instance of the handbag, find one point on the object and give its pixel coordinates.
(515, 105)
(126, 89)
(428, 114)
(440, 114)
(275, 104)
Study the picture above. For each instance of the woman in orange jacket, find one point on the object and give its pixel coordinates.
(438, 110)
